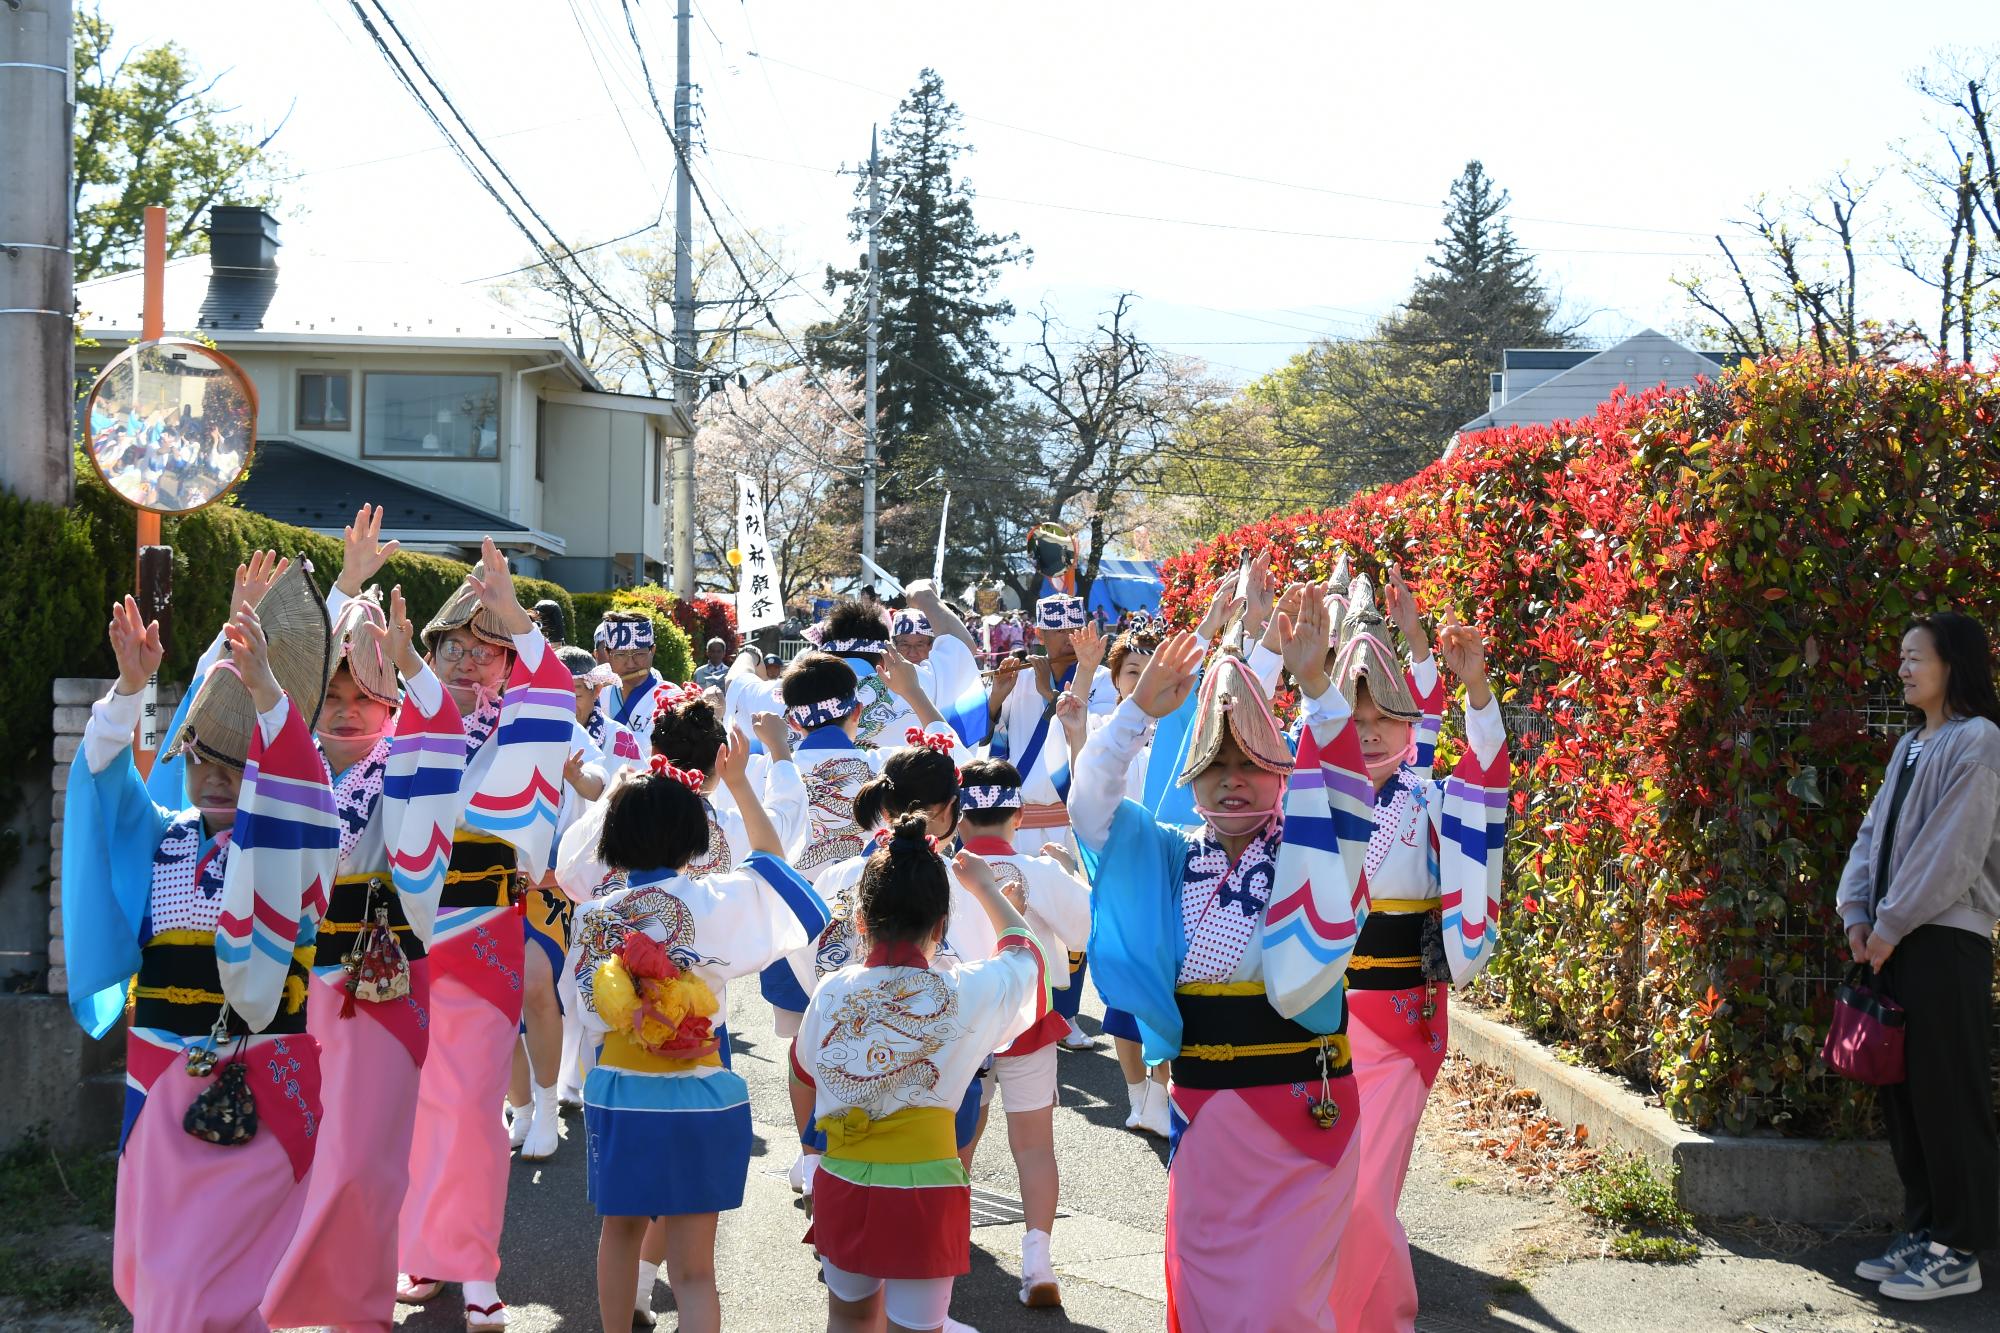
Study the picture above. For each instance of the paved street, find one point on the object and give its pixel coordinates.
(1485, 1258)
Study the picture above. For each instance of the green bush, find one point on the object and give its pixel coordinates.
(1628, 1191)
(60, 570)
(590, 608)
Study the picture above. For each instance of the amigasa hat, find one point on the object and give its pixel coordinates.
(1233, 702)
(462, 610)
(373, 673)
(219, 722)
(1365, 654)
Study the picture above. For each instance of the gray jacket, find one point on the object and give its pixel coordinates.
(1944, 869)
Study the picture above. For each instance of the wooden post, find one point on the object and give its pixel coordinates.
(153, 570)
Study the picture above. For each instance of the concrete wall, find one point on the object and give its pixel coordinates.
(602, 472)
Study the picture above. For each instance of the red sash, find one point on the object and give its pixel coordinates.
(284, 1083)
(408, 1019)
(488, 959)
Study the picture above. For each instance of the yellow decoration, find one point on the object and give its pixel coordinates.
(649, 1010)
(735, 557)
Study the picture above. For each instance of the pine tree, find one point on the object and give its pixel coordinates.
(936, 362)
(1480, 295)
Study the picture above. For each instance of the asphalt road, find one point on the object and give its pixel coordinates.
(1474, 1242)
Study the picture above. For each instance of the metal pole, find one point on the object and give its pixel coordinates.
(684, 359)
(152, 573)
(37, 342)
(868, 451)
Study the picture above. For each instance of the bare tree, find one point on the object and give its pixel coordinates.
(796, 436)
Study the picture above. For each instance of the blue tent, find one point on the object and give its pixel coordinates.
(1123, 585)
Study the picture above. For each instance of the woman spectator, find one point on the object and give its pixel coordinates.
(1919, 897)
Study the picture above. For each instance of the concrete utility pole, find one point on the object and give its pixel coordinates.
(868, 453)
(37, 302)
(684, 359)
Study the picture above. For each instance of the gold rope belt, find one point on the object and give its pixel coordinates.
(1404, 906)
(178, 994)
(1362, 962)
(1336, 1050)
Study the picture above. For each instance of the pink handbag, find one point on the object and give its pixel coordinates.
(1865, 1041)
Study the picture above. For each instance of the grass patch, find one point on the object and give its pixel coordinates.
(41, 1188)
(1627, 1191)
(1642, 1248)
(1463, 1182)
(45, 1287)
(1509, 1286)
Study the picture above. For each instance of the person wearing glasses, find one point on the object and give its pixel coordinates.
(628, 650)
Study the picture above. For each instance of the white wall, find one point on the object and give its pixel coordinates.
(597, 482)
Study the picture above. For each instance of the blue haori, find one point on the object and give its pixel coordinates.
(666, 1144)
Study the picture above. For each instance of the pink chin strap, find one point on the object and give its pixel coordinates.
(1408, 754)
(1263, 816)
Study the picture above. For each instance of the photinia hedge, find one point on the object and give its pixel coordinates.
(1693, 603)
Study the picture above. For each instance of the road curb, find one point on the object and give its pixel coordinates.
(1821, 1182)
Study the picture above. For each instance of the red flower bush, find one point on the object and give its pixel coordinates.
(1693, 604)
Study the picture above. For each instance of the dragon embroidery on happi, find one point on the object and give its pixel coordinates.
(878, 708)
(830, 788)
(602, 931)
(718, 859)
(880, 1039)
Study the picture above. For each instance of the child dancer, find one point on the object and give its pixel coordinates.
(1057, 906)
(888, 1047)
(214, 908)
(668, 1124)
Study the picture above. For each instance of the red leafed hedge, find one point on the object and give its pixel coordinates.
(1693, 604)
(701, 618)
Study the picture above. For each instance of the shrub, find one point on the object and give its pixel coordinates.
(590, 608)
(1694, 603)
(700, 618)
(54, 601)
(1627, 1191)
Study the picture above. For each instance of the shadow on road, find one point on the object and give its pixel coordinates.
(1445, 1285)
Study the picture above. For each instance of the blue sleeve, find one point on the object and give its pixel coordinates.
(1169, 802)
(111, 828)
(1136, 941)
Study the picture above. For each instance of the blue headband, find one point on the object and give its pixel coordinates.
(1060, 612)
(839, 647)
(808, 717)
(623, 635)
(990, 797)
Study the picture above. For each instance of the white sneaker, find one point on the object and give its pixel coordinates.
(1135, 1093)
(544, 1134)
(520, 1119)
(801, 1174)
(1157, 1117)
(1039, 1289)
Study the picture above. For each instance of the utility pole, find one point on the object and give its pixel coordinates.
(684, 358)
(868, 451)
(37, 302)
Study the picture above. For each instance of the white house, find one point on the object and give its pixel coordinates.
(379, 382)
(1541, 385)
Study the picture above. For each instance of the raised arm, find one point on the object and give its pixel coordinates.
(1107, 757)
(923, 595)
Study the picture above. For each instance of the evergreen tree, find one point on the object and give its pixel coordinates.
(936, 362)
(1480, 295)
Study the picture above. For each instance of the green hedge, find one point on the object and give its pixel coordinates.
(60, 571)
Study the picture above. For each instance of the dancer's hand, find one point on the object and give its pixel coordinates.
(136, 644)
(1464, 651)
(256, 578)
(364, 554)
(252, 657)
(1305, 642)
(1403, 611)
(1170, 675)
(493, 581)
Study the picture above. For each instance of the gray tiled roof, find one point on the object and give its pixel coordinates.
(305, 487)
(1641, 362)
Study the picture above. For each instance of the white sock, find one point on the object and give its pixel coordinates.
(648, 1275)
(481, 1294)
(1135, 1093)
(545, 1101)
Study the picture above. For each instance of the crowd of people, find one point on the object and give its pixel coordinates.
(171, 461)
(357, 910)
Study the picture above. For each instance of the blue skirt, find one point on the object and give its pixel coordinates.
(666, 1144)
(1118, 1023)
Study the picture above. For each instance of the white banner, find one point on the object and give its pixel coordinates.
(758, 602)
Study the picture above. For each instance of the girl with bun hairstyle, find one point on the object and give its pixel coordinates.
(668, 1122)
(888, 1046)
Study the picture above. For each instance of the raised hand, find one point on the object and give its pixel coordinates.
(899, 673)
(771, 729)
(136, 644)
(1090, 647)
(256, 578)
(1169, 675)
(1263, 591)
(1403, 611)
(732, 761)
(1287, 609)
(1220, 608)
(1071, 713)
(1058, 853)
(402, 636)
(252, 658)
(365, 552)
(1464, 652)
(493, 582)
(1305, 640)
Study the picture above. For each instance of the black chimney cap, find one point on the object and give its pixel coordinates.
(242, 238)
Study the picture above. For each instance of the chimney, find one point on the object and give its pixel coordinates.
(242, 241)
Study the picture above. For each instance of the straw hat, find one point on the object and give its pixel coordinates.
(1231, 698)
(463, 611)
(375, 674)
(1365, 653)
(222, 717)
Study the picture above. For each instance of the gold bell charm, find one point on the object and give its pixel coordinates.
(1325, 1112)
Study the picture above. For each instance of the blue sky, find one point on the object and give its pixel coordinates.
(1298, 151)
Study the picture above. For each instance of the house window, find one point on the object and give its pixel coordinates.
(430, 416)
(323, 400)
